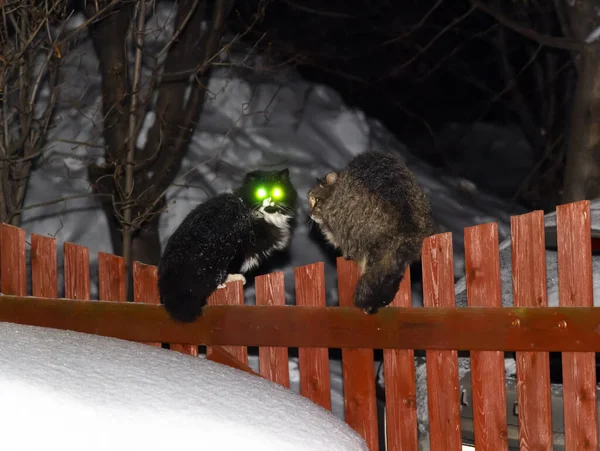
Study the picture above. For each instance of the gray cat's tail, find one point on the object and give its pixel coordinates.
(381, 279)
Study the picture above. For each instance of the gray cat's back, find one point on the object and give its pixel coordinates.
(395, 188)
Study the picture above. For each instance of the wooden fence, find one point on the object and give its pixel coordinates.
(484, 328)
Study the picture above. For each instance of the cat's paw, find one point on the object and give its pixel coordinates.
(234, 277)
(347, 257)
(371, 310)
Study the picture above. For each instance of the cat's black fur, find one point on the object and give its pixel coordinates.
(226, 235)
(376, 213)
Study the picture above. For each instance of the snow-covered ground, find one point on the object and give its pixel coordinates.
(82, 391)
(251, 120)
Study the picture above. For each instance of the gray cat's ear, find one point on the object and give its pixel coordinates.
(284, 174)
(331, 178)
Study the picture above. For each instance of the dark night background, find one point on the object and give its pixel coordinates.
(417, 65)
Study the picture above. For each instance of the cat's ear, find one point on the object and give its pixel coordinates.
(250, 176)
(284, 174)
(331, 178)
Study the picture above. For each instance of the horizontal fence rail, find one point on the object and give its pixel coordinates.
(484, 327)
(574, 329)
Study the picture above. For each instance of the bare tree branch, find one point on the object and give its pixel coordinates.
(29, 63)
(130, 160)
(427, 46)
(416, 26)
(542, 39)
(317, 12)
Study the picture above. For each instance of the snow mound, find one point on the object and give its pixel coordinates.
(83, 391)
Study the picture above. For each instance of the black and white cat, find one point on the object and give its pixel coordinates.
(224, 237)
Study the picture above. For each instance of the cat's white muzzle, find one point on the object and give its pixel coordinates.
(277, 219)
(268, 202)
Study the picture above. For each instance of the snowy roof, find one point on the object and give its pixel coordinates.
(79, 391)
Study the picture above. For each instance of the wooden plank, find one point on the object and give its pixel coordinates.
(273, 361)
(360, 402)
(400, 386)
(13, 265)
(145, 288)
(219, 355)
(77, 272)
(482, 267)
(44, 271)
(575, 289)
(507, 329)
(111, 277)
(442, 366)
(313, 363)
(186, 348)
(533, 368)
(232, 294)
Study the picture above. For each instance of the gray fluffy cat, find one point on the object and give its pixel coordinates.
(376, 212)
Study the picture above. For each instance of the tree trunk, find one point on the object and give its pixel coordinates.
(582, 165)
(187, 67)
(108, 39)
(582, 169)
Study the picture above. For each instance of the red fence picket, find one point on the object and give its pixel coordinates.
(44, 274)
(400, 386)
(112, 285)
(232, 294)
(442, 366)
(77, 271)
(533, 368)
(145, 287)
(575, 288)
(273, 361)
(482, 266)
(360, 400)
(315, 383)
(13, 265)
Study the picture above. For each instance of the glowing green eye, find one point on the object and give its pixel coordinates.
(277, 193)
(261, 193)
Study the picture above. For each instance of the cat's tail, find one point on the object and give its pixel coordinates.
(184, 296)
(381, 279)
